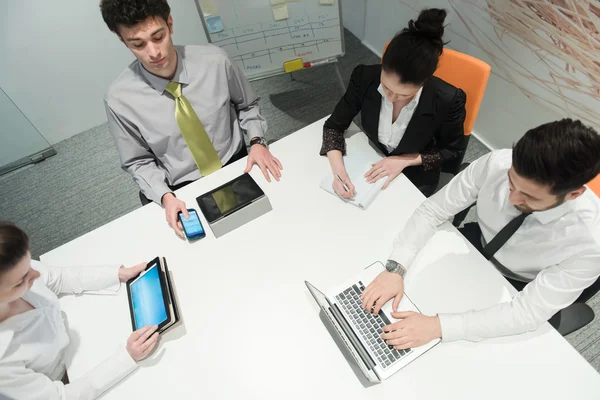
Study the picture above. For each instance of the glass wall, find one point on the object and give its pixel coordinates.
(20, 141)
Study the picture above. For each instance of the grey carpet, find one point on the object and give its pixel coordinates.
(83, 187)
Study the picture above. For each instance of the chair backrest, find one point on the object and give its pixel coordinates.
(594, 185)
(467, 73)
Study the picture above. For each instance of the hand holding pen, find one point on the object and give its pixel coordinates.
(343, 187)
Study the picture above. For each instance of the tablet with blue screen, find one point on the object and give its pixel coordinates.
(151, 300)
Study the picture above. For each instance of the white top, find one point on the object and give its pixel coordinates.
(559, 248)
(250, 328)
(32, 344)
(390, 134)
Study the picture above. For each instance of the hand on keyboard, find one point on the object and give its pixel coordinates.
(414, 330)
(387, 285)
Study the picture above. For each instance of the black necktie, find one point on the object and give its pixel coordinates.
(502, 237)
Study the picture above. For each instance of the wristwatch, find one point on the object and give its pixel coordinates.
(393, 266)
(259, 140)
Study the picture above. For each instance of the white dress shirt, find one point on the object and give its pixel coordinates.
(32, 344)
(559, 248)
(391, 133)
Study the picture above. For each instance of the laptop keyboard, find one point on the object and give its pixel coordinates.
(368, 326)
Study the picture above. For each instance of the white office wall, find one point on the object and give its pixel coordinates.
(506, 112)
(58, 58)
(353, 16)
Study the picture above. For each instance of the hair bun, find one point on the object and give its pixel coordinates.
(430, 24)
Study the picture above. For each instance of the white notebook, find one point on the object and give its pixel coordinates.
(357, 165)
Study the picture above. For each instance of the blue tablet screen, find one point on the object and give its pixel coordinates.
(148, 303)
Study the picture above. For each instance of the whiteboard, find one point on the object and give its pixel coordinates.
(260, 45)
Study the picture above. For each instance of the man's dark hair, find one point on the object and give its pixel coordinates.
(413, 54)
(131, 12)
(564, 155)
(14, 245)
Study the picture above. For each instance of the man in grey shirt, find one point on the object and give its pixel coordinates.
(141, 113)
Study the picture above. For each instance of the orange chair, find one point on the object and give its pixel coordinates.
(469, 74)
(594, 185)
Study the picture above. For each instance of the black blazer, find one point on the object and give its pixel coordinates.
(435, 129)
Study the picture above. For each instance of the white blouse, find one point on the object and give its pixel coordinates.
(32, 344)
(391, 133)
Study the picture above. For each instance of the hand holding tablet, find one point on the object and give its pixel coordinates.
(151, 299)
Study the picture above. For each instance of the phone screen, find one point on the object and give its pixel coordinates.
(192, 225)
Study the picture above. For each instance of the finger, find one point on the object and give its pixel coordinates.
(185, 212)
(141, 267)
(401, 341)
(351, 187)
(407, 345)
(146, 334)
(371, 300)
(396, 302)
(378, 306)
(279, 164)
(366, 292)
(265, 173)
(276, 168)
(371, 171)
(137, 334)
(380, 303)
(379, 175)
(273, 170)
(390, 329)
(403, 314)
(249, 164)
(150, 343)
(387, 183)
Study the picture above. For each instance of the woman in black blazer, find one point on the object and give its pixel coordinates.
(414, 118)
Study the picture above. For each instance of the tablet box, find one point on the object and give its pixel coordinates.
(233, 204)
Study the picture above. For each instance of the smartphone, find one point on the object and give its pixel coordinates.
(192, 226)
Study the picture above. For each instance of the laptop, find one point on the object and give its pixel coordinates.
(360, 331)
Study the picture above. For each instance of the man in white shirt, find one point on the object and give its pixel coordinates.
(537, 223)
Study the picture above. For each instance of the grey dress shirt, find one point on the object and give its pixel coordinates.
(141, 117)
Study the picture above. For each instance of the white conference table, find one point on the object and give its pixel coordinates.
(252, 330)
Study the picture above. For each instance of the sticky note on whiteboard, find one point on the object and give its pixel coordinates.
(275, 2)
(208, 7)
(329, 2)
(214, 24)
(280, 12)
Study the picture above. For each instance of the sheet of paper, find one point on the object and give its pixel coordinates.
(214, 24)
(208, 7)
(275, 2)
(280, 12)
(328, 2)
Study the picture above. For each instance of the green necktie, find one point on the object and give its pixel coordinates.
(193, 132)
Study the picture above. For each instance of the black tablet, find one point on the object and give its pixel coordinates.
(151, 299)
(229, 198)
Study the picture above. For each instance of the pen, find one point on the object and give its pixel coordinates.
(342, 182)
